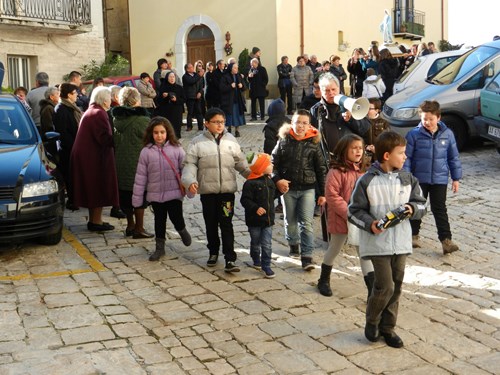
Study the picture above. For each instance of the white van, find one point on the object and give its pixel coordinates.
(424, 67)
(456, 87)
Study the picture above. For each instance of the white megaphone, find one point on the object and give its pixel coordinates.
(358, 107)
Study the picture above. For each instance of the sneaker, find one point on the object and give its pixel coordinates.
(415, 241)
(307, 264)
(317, 211)
(212, 260)
(269, 272)
(294, 252)
(256, 263)
(231, 267)
(449, 246)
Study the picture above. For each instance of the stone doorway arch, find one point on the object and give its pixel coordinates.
(189, 23)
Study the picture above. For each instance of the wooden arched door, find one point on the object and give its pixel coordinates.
(200, 45)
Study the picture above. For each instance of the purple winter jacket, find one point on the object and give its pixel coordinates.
(155, 176)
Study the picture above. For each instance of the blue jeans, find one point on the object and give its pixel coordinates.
(299, 215)
(260, 244)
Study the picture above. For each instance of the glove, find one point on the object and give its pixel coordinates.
(394, 217)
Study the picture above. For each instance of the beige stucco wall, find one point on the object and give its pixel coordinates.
(272, 25)
(51, 51)
(152, 34)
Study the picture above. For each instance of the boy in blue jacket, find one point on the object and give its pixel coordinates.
(432, 156)
(257, 198)
(386, 238)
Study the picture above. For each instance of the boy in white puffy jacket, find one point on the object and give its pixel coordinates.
(385, 187)
(210, 166)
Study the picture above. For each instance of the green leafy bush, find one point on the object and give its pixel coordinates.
(113, 65)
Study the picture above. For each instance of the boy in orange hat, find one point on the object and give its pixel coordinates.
(257, 198)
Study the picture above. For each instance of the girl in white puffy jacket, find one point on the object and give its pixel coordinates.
(373, 86)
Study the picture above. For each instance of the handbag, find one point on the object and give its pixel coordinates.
(177, 176)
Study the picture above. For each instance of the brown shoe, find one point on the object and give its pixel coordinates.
(449, 246)
(415, 241)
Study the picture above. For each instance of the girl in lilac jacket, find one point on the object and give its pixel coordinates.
(157, 180)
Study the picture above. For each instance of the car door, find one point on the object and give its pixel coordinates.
(490, 99)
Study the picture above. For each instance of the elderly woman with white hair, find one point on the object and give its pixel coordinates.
(130, 121)
(93, 161)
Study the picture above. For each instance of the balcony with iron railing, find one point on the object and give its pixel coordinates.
(409, 23)
(70, 15)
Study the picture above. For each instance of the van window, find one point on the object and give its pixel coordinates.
(406, 72)
(478, 80)
(494, 85)
(463, 65)
(440, 64)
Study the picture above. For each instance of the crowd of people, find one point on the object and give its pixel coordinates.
(120, 148)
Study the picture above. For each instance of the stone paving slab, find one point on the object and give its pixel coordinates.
(178, 316)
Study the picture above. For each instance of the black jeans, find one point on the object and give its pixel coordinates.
(172, 209)
(218, 211)
(286, 94)
(194, 110)
(383, 304)
(253, 103)
(437, 197)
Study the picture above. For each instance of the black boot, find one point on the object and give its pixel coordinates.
(369, 279)
(324, 280)
(159, 251)
(294, 251)
(185, 237)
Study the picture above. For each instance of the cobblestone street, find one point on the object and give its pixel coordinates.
(94, 304)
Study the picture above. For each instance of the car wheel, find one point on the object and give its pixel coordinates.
(51, 239)
(459, 130)
(498, 150)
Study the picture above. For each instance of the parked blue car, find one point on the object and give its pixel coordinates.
(31, 191)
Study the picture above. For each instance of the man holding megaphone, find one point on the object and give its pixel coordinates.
(338, 115)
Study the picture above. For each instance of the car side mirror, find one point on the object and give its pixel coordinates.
(51, 137)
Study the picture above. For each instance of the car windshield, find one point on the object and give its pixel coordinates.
(464, 64)
(15, 127)
(407, 72)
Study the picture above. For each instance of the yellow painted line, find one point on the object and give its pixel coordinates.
(81, 250)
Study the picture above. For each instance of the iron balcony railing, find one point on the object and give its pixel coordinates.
(409, 20)
(73, 12)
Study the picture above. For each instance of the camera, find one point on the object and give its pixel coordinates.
(393, 217)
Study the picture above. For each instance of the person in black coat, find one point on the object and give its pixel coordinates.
(257, 76)
(66, 119)
(193, 91)
(171, 102)
(388, 68)
(358, 74)
(231, 90)
(284, 83)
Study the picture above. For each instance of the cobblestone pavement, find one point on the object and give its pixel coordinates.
(103, 308)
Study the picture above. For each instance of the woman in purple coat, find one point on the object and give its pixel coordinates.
(93, 161)
(158, 176)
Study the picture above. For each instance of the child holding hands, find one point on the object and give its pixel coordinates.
(158, 176)
(385, 187)
(257, 198)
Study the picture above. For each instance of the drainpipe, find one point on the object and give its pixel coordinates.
(301, 27)
(442, 19)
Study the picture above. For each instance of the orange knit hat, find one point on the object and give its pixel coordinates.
(258, 164)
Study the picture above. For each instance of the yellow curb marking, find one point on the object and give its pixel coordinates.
(81, 250)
